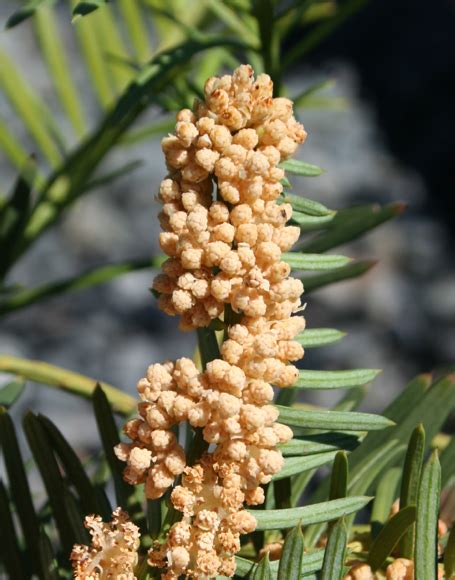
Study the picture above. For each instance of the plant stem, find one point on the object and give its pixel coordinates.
(53, 376)
(198, 447)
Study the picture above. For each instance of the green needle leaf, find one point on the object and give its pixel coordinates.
(292, 556)
(386, 493)
(9, 546)
(309, 223)
(311, 514)
(335, 379)
(320, 443)
(307, 206)
(381, 449)
(262, 571)
(410, 484)
(332, 420)
(390, 535)
(315, 262)
(136, 26)
(100, 275)
(12, 147)
(77, 170)
(109, 436)
(19, 487)
(14, 214)
(52, 479)
(339, 478)
(112, 176)
(316, 337)
(297, 167)
(92, 51)
(426, 541)
(237, 24)
(48, 33)
(295, 465)
(352, 270)
(352, 399)
(362, 477)
(312, 562)
(74, 470)
(32, 111)
(333, 566)
(300, 99)
(299, 484)
(351, 223)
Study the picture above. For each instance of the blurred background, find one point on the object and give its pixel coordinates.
(388, 136)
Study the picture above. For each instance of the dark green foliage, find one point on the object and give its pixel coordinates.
(9, 549)
(109, 437)
(19, 488)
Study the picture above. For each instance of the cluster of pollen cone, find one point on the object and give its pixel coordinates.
(224, 230)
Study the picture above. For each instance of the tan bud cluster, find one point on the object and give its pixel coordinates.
(168, 396)
(232, 409)
(274, 550)
(205, 541)
(113, 551)
(228, 250)
(399, 569)
(360, 571)
(263, 349)
(403, 569)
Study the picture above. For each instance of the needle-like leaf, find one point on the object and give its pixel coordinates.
(19, 486)
(298, 167)
(390, 535)
(292, 556)
(335, 379)
(352, 270)
(295, 465)
(410, 484)
(426, 540)
(316, 337)
(314, 262)
(333, 567)
(332, 420)
(9, 545)
(310, 514)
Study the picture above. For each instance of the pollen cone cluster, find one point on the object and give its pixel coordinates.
(113, 552)
(223, 228)
(224, 232)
